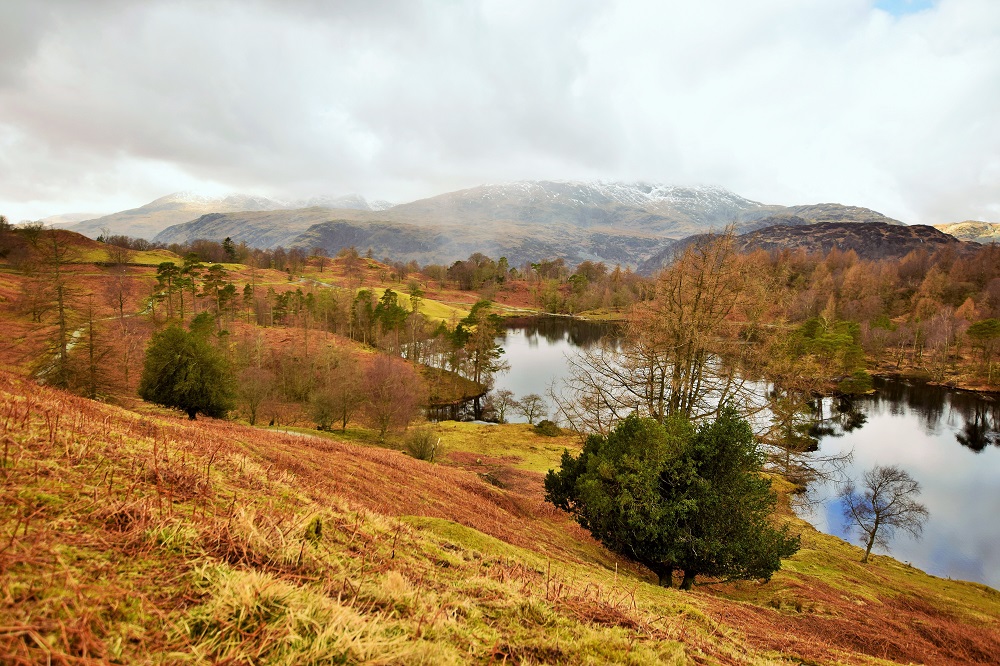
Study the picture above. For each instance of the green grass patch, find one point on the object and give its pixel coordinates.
(430, 308)
(518, 442)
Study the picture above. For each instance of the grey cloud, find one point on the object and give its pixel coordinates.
(784, 102)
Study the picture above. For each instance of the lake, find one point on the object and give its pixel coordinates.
(947, 440)
(536, 349)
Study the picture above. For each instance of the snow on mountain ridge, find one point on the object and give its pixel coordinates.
(636, 194)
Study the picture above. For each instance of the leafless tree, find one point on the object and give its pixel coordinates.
(116, 248)
(531, 407)
(255, 386)
(119, 289)
(394, 393)
(681, 352)
(503, 400)
(340, 390)
(128, 341)
(320, 256)
(882, 504)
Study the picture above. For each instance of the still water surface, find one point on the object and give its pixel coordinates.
(948, 440)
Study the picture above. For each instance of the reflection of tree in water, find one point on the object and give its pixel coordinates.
(896, 397)
(981, 430)
(851, 416)
(580, 333)
(976, 417)
(846, 416)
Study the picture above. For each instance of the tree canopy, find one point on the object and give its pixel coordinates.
(183, 370)
(674, 497)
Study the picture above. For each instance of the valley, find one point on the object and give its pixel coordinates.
(310, 525)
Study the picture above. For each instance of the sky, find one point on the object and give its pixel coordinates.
(888, 104)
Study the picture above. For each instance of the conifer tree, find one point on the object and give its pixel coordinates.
(676, 498)
(183, 370)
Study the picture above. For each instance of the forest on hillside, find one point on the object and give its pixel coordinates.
(293, 325)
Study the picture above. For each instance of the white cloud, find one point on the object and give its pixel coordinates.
(779, 100)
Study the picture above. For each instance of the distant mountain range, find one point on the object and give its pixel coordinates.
(619, 223)
(632, 224)
(149, 220)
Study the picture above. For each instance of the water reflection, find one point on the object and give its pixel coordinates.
(950, 442)
(537, 347)
(980, 431)
(577, 333)
(974, 418)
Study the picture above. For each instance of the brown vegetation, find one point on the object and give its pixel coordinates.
(106, 511)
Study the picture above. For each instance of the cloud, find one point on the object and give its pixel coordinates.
(782, 101)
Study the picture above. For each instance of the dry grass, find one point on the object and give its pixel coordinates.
(150, 539)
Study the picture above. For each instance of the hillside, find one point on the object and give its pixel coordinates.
(873, 240)
(141, 536)
(659, 209)
(269, 228)
(149, 220)
(446, 243)
(971, 230)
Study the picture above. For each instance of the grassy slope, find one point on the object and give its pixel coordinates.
(147, 538)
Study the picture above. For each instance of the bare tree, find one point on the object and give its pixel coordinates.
(532, 407)
(353, 266)
(119, 289)
(503, 400)
(254, 387)
(884, 502)
(116, 248)
(128, 343)
(394, 393)
(681, 352)
(320, 256)
(339, 395)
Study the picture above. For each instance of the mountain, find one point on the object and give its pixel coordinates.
(660, 209)
(446, 243)
(65, 220)
(149, 220)
(146, 221)
(971, 230)
(870, 240)
(268, 228)
(817, 214)
(625, 223)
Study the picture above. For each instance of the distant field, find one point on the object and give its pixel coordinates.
(431, 308)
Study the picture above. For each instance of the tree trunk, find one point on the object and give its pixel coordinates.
(688, 581)
(665, 574)
(868, 548)
(871, 540)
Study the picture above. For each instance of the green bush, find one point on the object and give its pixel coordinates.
(547, 428)
(677, 497)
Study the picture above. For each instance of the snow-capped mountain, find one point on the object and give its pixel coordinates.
(616, 222)
(662, 209)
